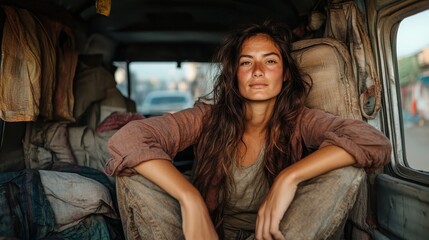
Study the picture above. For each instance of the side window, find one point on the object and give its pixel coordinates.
(413, 68)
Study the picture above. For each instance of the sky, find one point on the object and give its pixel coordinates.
(413, 34)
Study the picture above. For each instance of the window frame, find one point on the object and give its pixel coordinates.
(387, 24)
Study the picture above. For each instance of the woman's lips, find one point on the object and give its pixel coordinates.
(257, 85)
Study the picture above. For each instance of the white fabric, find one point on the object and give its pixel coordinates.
(73, 197)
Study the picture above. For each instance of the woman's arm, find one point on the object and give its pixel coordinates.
(338, 143)
(196, 219)
(284, 187)
(370, 148)
(153, 138)
(317, 163)
(147, 146)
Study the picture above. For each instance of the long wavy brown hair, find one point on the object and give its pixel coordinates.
(223, 126)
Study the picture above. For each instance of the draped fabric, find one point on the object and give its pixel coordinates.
(326, 62)
(36, 204)
(345, 23)
(64, 66)
(20, 70)
(37, 68)
(25, 211)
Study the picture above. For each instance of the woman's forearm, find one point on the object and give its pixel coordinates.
(164, 174)
(318, 163)
(196, 222)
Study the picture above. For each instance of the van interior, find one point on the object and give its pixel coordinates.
(73, 72)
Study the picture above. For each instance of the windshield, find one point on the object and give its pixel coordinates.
(178, 84)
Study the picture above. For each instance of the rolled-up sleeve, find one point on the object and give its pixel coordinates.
(153, 138)
(370, 148)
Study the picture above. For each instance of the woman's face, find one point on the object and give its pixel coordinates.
(260, 69)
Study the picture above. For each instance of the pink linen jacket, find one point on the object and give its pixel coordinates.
(164, 136)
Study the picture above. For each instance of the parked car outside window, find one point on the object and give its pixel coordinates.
(163, 101)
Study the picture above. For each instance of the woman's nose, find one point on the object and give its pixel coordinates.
(258, 71)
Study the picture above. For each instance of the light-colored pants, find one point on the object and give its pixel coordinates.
(318, 211)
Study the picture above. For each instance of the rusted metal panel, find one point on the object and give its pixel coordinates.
(402, 207)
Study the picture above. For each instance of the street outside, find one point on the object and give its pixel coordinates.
(417, 146)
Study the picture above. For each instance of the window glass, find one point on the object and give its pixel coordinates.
(160, 87)
(121, 77)
(413, 64)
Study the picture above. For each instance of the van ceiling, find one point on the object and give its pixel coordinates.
(143, 25)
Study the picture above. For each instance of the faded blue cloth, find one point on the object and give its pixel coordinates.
(25, 211)
(27, 214)
(92, 227)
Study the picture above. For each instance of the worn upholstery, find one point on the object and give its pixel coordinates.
(326, 63)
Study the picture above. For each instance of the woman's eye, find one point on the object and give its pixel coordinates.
(271, 61)
(244, 63)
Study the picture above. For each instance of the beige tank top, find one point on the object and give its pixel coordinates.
(250, 189)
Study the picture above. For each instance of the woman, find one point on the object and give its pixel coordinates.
(250, 145)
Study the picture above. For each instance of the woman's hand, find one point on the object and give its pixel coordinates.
(273, 208)
(284, 187)
(197, 223)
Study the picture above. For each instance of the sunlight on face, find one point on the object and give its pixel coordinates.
(260, 69)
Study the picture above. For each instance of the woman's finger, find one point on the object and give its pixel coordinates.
(267, 224)
(275, 228)
(260, 223)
